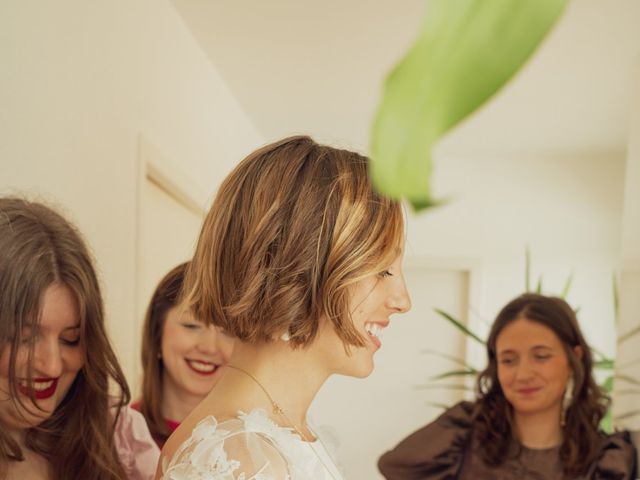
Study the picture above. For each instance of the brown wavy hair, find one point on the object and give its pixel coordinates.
(37, 248)
(292, 227)
(164, 298)
(582, 438)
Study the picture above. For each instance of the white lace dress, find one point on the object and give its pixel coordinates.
(248, 447)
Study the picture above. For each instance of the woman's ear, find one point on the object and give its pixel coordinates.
(578, 351)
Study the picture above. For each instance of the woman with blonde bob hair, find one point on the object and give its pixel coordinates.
(58, 419)
(300, 260)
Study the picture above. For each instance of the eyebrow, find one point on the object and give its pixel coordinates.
(535, 347)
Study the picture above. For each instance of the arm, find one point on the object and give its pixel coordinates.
(436, 451)
(136, 448)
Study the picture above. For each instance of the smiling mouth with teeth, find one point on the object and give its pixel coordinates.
(202, 368)
(40, 388)
(375, 332)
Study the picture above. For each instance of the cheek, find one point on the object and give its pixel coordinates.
(505, 377)
(75, 360)
(226, 347)
(21, 362)
(176, 341)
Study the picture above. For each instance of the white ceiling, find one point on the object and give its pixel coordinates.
(301, 66)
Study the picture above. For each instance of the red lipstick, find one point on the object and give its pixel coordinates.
(40, 394)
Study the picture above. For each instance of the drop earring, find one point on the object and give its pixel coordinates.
(567, 400)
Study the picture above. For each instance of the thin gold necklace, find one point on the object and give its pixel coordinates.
(277, 409)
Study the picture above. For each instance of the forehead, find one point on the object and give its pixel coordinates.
(59, 308)
(524, 334)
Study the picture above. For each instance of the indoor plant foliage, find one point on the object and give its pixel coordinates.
(465, 52)
(604, 366)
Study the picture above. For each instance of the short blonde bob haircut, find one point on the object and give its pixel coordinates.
(292, 227)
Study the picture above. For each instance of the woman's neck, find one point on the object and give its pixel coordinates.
(261, 375)
(176, 404)
(539, 430)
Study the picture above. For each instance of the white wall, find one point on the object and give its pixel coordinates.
(567, 210)
(628, 357)
(80, 83)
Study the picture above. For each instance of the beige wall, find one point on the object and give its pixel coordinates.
(568, 210)
(81, 83)
(628, 357)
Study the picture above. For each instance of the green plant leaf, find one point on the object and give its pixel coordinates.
(627, 391)
(443, 406)
(539, 285)
(628, 379)
(630, 334)
(606, 424)
(601, 356)
(446, 356)
(616, 298)
(466, 51)
(527, 269)
(626, 415)
(454, 373)
(459, 325)
(448, 386)
(607, 385)
(567, 286)
(605, 364)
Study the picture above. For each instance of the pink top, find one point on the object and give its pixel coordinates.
(138, 452)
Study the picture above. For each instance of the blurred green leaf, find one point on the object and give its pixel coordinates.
(606, 424)
(454, 373)
(567, 286)
(604, 364)
(449, 386)
(607, 385)
(443, 406)
(539, 285)
(630, 334)
(628, 379)
(466, 51)
(626, 415)
(627, 391)
(527, 269)
(616, 298)
(446, 356)
(459, 325)
(600, 356)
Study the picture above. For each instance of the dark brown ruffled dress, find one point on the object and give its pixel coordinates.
(440, 451)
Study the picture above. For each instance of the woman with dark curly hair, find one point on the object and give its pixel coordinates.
(537, 412)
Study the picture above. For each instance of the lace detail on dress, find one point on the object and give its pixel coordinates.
(249, 447)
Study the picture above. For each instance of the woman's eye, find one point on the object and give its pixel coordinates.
(385, 273)
(192, 326)
(542, 357)
(507, 361)
(70, 342)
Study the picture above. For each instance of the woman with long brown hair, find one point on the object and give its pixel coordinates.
(59, 420)
(537, 413)
(181, 358)
(300, 260)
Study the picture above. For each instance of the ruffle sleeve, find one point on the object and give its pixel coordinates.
(136, 448)
(436, 451)
(617, 460)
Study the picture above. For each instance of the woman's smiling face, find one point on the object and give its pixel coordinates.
(533, 367)
(58, 356)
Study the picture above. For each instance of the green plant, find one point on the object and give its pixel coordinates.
(602, 362)
(466, 51)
